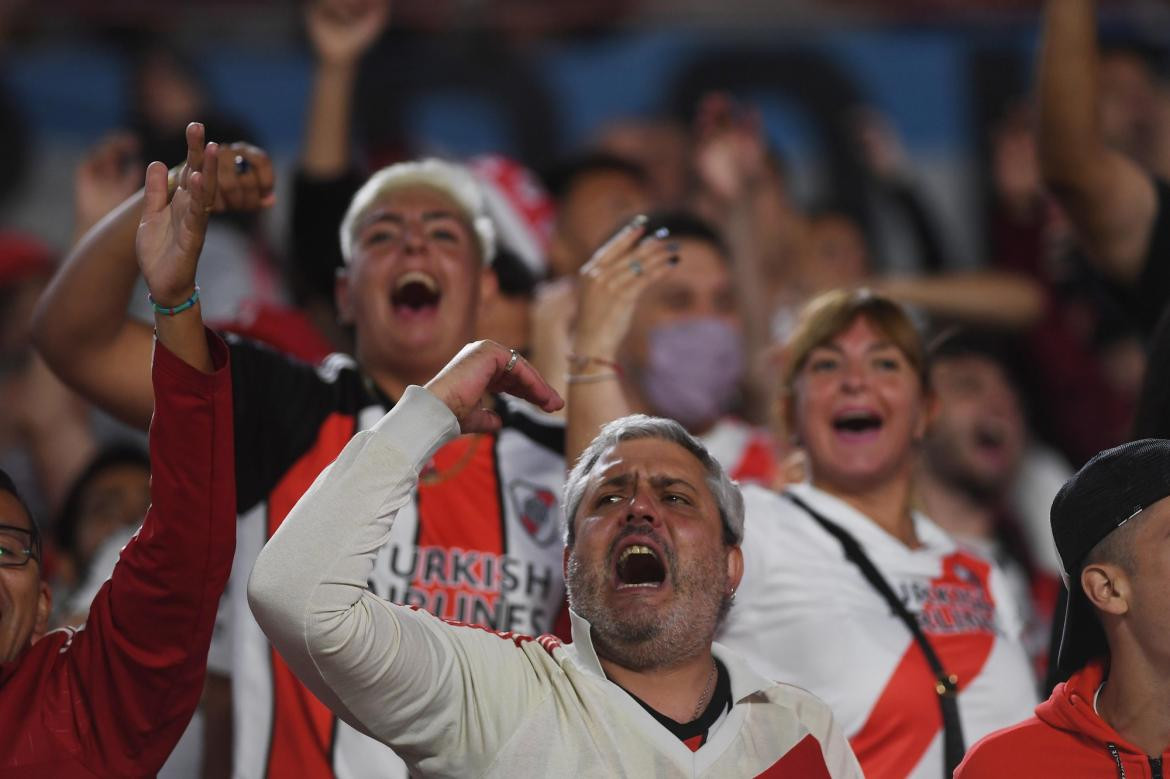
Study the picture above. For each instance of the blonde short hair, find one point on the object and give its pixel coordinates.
(831, 313)
(449, 178)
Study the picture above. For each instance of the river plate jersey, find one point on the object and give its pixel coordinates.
(480, 544)
(806, 616)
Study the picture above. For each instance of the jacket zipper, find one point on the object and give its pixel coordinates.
(1156, 767)
(1117, 760)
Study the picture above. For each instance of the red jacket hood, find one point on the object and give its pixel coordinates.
(1070, 708)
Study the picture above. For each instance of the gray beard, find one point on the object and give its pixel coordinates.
(659, 639)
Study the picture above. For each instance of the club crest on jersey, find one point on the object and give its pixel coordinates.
(537, 508)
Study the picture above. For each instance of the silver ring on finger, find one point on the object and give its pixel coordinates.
(242, 164)
(512, 361)
(636, 267)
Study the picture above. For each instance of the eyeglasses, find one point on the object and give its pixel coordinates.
(18, 545)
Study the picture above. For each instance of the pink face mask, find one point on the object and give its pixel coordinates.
(693, 370)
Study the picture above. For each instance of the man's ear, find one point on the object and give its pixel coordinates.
(734, 568)
(44, 609)
(489, 288)
(343, 296)
(1107, 587)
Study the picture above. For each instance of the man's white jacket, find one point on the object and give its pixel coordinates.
(459, 700)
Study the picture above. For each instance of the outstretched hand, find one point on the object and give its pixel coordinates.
(730, 149)
(342, 30)
(170, 235)
(481, 368)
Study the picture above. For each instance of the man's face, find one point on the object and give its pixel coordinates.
(1149, 600)
(24, 599)
(591, 210)
(699, 286)
(412, 286)
(976, 440)
(649, 568)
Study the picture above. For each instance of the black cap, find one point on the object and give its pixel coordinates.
(1111, 489)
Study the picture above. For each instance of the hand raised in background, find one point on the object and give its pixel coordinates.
(730, 150)
(341, 31)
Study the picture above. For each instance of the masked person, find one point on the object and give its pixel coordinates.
(417, 244)
(1110, 718)
(652, 558)
(658, 331)
(113, 698)
(849, 591)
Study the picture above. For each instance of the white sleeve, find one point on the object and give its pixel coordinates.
(429, 690)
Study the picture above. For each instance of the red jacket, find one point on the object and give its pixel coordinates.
(1065, 739)
(113, 697)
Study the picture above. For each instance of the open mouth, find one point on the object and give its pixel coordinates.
(639, 566)
(857, 422)
(415, 292)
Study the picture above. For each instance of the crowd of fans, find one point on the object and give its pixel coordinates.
(892, 547)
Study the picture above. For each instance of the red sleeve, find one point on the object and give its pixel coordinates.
(139, 663)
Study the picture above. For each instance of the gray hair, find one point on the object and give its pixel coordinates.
(452, 179)
(638, 426)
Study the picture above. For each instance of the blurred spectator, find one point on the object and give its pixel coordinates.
(45, 433)
(109, 498)
(595, 194)
(1115, 205)
(523, 214)
(167, 92)
(661, 147)
(972, 458)
(658, 331)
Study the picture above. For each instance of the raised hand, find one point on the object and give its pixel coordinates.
(487, 367)
(342, 30)
(610, 284)
(730, 151)
(170, 235)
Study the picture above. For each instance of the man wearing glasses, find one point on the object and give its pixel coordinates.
(113, 697)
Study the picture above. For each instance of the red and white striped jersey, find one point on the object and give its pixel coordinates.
(805, 615)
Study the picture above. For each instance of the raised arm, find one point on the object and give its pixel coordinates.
(1110, 199)
(989, 298)
(383, 668)
(81, 327)
(142, 656)
(341, 31)
(610, 284)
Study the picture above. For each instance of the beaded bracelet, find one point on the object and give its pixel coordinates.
(588, 378)
(581, 362)
(171, 311)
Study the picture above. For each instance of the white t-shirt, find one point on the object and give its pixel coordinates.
(806, 615)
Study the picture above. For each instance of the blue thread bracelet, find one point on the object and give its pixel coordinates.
(186, 304)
